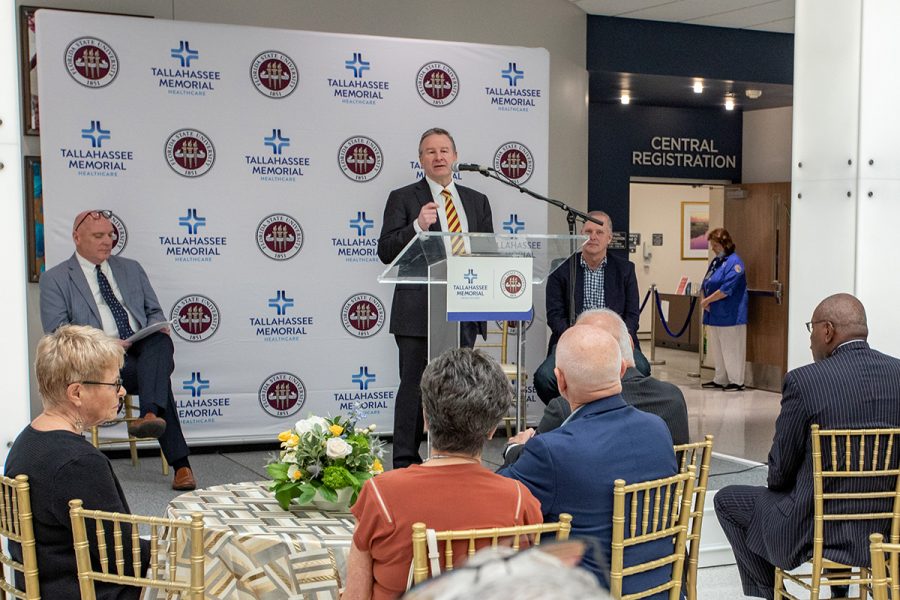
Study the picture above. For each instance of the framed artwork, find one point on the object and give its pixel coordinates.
(694, 227)
(34, 217)
(28, 51)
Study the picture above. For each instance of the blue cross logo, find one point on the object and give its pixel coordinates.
(276, 142)
(96, 134)
(470, 277)
(192, 221)
(363, 378)
(514, 225)
(361, 223)
(513, 74)
(357, 65)
(195, 385)
(280, 303)
(184, 53)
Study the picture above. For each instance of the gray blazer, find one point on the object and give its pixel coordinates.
(66, 297)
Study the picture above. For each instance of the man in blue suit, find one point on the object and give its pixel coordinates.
(114, 294)
(572, 469)
(601, 281)
(849, 386)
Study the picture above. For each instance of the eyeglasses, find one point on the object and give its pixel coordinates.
(117, 384)
(811, 324)
(94, 214)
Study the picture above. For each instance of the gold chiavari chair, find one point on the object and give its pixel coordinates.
(16, 526)
(168, 533)
(881, 582)
(848, 457)
(132, 441)
(421, 570)
(659, 509)
(698, 455)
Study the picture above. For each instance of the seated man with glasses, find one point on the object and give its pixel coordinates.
(112, 293)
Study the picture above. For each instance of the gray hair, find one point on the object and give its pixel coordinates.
(620, 333)
(464, 395)
(436, 131)
(599, 214)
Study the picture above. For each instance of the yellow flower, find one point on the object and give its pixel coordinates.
(377, 467)
(294, 473)
(284, 436)
(293, 440)
(335, 430)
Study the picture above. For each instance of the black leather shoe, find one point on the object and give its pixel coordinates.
(712, 385)
(733, 387)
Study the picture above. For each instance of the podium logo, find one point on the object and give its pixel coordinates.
(196, 318)
(279, 236)
(190, 153)
(515, 161)
(362, 315)
(360, 159)
(437, 84)
(512, 284)
(91, 62)
(274, 74)
(282, 394)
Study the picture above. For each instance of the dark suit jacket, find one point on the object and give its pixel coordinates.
(409, 307)
(855, 388)
(619, 286)
(66, 298)
(572, 469)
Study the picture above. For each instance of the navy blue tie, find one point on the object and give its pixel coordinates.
(118, 311)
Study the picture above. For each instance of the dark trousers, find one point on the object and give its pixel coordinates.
(409, 424)
(734, 509)
(149, 364)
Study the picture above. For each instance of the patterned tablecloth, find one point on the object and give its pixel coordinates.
(256, 550)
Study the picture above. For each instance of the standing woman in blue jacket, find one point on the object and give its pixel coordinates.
(725, 312)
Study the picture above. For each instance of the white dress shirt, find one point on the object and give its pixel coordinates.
(438, 198)
(106, 316)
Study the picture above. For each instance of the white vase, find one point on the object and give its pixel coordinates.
(342, 504)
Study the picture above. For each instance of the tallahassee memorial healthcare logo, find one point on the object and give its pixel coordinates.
(195, 318)
(274, 74)
(515, 161)
(279, 325)
(96, 156)
(282, 394)
(190, 153)
(352, 87)
(279, 236)
(369, 401)
(360, 159)
(190, 244)
(362, 245)
(91, 62)
(276, 164)
(200, 408)
(437, 83)
(362, 315)
(180, 78)
(511, 95)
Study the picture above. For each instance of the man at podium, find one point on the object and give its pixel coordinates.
(434, 203)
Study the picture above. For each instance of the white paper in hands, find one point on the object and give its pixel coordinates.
(148, 330)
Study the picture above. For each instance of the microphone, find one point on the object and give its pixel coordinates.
(457, 166)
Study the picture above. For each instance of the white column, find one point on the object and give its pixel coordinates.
(14, 349)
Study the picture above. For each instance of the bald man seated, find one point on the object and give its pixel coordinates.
(848, 386)
(572, 468)
(113, 293)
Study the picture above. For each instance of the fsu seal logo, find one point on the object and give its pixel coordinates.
(120, 233)
(196, 318)
(437, 84)
(512, 284)
(279, 236)
(190, 153)
(360, 159)
(515, 161)
(362, 315)
(282, 394)
(513, 326)
(91, 62)
(274, 74)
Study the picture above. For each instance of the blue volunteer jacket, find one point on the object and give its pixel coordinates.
(726, 274)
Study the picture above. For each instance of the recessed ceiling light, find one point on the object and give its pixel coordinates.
(698, 87)
(625, 98)
(729, 103)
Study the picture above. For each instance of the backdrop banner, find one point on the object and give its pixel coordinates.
(247, 170)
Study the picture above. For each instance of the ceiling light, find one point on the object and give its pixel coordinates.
(625, 98)
(729, 103)
(753, 94)
(698, 87)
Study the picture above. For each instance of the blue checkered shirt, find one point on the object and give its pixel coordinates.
(594, 294)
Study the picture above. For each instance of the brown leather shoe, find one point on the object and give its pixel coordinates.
(184, 480)
(148, 426)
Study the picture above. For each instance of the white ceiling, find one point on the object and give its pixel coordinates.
(759, 15)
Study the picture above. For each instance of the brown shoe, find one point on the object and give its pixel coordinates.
(148, 426)
(184, 480)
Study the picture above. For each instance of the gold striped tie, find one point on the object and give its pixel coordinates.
(457, 243)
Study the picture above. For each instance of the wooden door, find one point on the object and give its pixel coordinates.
(758, 217)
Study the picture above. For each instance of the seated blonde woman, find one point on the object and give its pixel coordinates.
(77, 371)
(464, 396)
